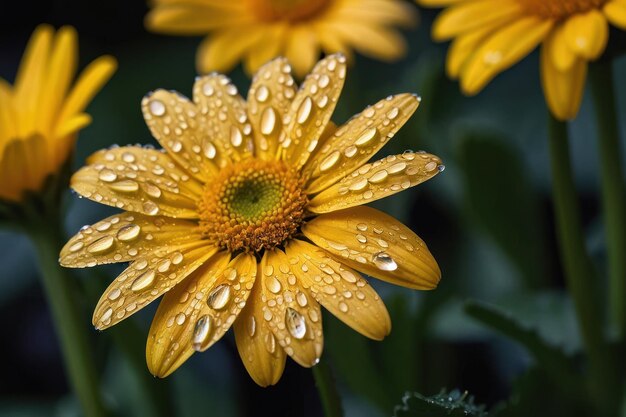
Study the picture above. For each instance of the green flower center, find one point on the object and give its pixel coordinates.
(252, 205)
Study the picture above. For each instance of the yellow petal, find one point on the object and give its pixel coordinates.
(377, 180)
(221, 51)
(471, 15)
(269, 100)
(311, 109)
(137, 179)
(8, 122)
(302, 49)
(174, 121)
(125, 237)
(562, 55)
(58, 77)
(24, 166)
(503, 49)
(332, 44)
(194, 19)
(267, 48)
(358, 140)
(563, 89)
(341, 290)
(297, 326)
(371, 40)
(89, 83)
(169, 342)
(73, 125)
(615, 11)
(199, 311)
(147, 278)
(263, 358)
(377, 12)
(587, 34)
(223, 119)
(438, 3)
(463, 47)
(376, 244)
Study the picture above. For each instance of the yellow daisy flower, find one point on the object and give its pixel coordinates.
(255, 31)
(253, 217)
(41, 115)
(492, 35)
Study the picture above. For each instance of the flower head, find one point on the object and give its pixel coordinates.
(252, 217)
(255, 31)
(41, 115)
(492, 35)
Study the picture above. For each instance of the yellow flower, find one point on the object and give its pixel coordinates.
(255, 31)
(41, 115)
(492, 35)
(253, 217)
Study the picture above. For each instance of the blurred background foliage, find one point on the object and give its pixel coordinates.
(488, 220)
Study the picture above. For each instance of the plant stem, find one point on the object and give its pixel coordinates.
(62, 293)
(613, 191)
(328, 391)
(579, 270)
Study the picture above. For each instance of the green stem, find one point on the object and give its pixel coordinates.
(328, 391)
(579, 270)
(613, 191)
(62, 293)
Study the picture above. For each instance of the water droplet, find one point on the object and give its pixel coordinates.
(101, 245)
(150, 208)
(262, 94)
(107, 175)
(350, 151)
(384, 261)
(235, 136)
(358, 184)
(323, 81)
(395, 168)
(152, 190)
(157, 107)
(76, 246)
(114, 294)
(393, 113)
(208, 90)
(143, 281)
(343, 307)
(177, 258)
(270, 343)
(305, 110)
(180, 318)
(201, 332)
(209, 150)
(268, 121)
(125, 186)
(301, 299)
(128, 232)
(273, 284)
(252, 326)
(431, 166)
(128, 157)
(348, 275)
(106, 316)
(378, 176)
(329, 161)
(362, 227)
(366, 136)
(219, 297)
(295, 322)
(441, 168)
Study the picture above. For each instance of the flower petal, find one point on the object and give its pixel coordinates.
(222, 50)
(256, 343)
(463, 47)
(125, 237)
(377, 180)
(562, 55)
(311, 109)
(223, 119)
(269, 99)
(563, 88)
(501, 50)
(358, 140)
(190, 19)
(297, 326)
(24, 165)
(267, 48)
(147, 278)
(377, 244)
(174, 121)
(471, 15)
(302, 49)
(140, 180)
(615, 11)
(587, 34)
(199, 311)
(341, 290)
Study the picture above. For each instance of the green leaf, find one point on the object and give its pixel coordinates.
(452, 404)
(501, 201)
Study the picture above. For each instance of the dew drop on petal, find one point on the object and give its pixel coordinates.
(268, 121)
(366, 136)
(219, 297)
(262, 94)
(125, 186)
(201, 332)
(295, 323)
(157, 107)
(329, 161)
(384, 261)
(143, 281)
(150, 208)
(107, 175)
(252, 326)
(101, 245)
(305, 110)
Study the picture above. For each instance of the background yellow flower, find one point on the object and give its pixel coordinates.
(492, 35)
(255, 31)
(41, 115)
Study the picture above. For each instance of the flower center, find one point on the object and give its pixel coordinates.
(559, 9)
(291, 10)
(252, 205)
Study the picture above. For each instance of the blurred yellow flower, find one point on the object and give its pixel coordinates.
(253, 217)
(492, 35)
(255, 31)
(41, 115)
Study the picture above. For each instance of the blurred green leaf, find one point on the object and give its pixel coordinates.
(501, 201)
(452, 404)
